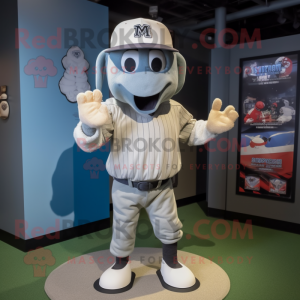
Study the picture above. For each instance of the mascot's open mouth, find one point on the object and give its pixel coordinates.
(148, 103)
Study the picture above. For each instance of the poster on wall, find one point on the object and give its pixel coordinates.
(268, 126)
(74, 80)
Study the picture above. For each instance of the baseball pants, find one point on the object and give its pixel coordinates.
(161, 207)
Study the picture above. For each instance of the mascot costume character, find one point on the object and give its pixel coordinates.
(144, 127)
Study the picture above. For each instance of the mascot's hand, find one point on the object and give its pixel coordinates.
(91, 111)
(221, 121)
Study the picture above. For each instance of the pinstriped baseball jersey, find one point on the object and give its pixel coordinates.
(145, 147)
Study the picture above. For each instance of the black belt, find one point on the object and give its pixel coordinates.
(143, 186)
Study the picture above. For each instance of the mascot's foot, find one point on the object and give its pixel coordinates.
(180, 280)
(114, 281)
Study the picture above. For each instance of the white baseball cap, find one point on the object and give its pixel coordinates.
(141, 33)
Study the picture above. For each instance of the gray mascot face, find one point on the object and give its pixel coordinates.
(143, 78)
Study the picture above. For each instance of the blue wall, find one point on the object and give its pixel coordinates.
(57, 188)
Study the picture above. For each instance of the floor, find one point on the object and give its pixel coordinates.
(263, 266)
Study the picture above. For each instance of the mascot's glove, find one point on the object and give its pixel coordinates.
(221, 121)
(91, 111)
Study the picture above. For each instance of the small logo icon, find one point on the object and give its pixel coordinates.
(277, 186)
(144, 30)
(40, 68)
(252, 183)
(39, 259)
(94, 165)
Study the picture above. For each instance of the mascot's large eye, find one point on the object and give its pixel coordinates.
(157, 60)
(130, 61)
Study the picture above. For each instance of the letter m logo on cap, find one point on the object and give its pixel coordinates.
(140, 30)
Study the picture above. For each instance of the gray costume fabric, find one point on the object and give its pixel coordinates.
(161, 207)
(88, 130)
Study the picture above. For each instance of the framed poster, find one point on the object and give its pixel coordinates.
(268, 126)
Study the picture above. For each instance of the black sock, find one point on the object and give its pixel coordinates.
(121, 262)
(170, 255)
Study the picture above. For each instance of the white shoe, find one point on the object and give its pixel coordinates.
(115, 279)
(178, 278)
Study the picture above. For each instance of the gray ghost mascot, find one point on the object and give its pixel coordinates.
(144, 127)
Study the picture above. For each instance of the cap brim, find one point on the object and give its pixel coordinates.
(141, 46)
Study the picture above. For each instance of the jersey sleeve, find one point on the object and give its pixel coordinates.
(187, 124)
(192, 131)
(200, 135)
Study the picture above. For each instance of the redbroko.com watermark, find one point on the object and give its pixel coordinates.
(202, 229)
(192, 260)
(190, 70)
(177, 167)
(88, 37)
(159, 145)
